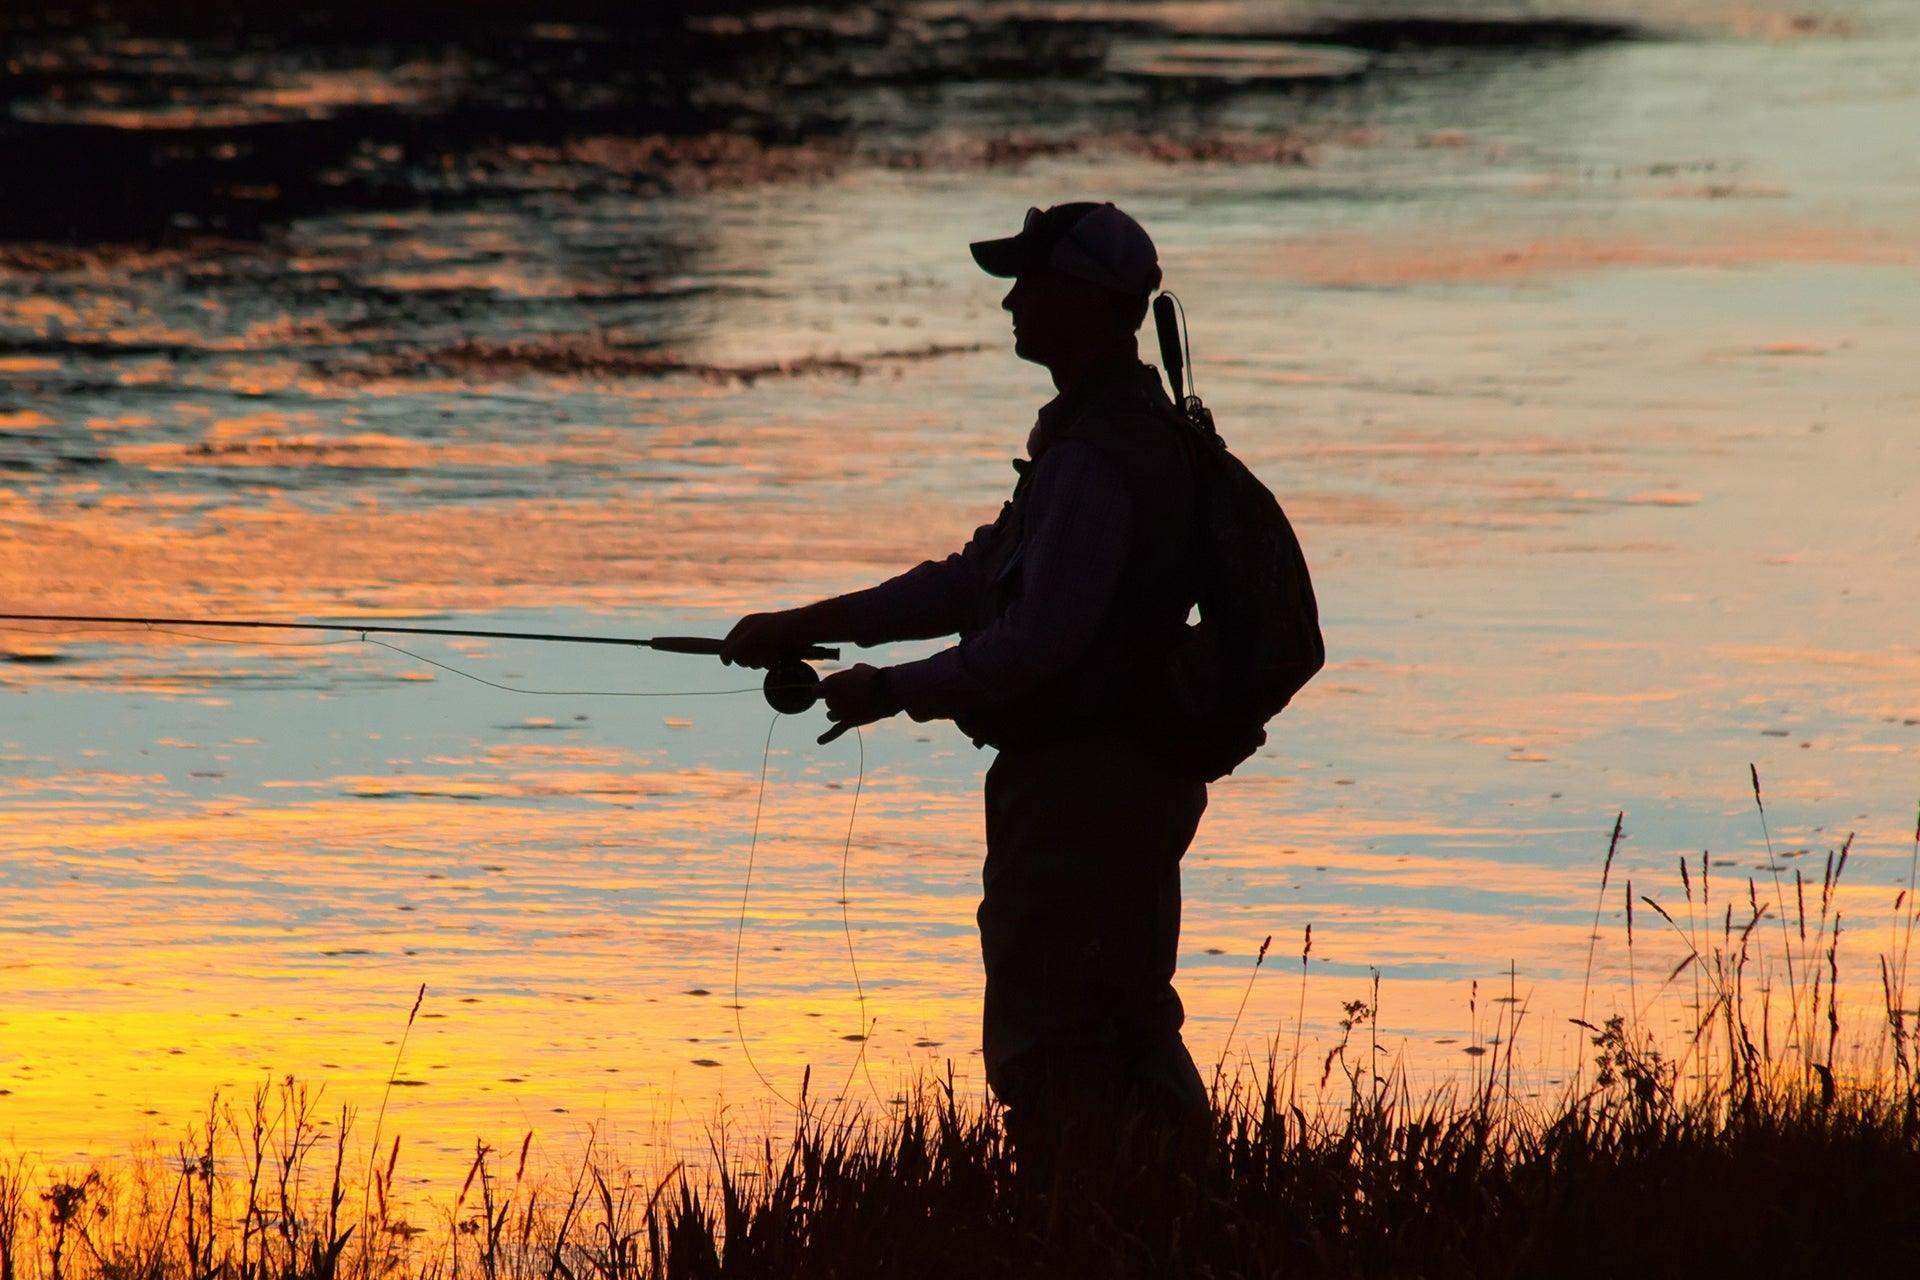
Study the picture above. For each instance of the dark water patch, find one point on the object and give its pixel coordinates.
(164, 121)
(585, 355)
(97, 348)
(1509, 32)
(28, 457)
(410, 793)
(166, 124)
(717, 161)
(1233, 64)
(295, 452)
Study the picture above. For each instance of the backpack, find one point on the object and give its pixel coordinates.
(1258, 641)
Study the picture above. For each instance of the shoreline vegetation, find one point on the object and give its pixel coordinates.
(1749, 1145)
(1632, 1178)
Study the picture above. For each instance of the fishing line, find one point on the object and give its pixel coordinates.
(418, 657)
(740, 926)
(846, 928)
(860, 1064)
(562, 693)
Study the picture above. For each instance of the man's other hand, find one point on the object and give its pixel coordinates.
(859, 695)
(762, 639)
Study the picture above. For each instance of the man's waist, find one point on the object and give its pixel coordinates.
(1115, 701)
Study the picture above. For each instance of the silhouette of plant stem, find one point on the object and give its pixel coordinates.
(373, 1148)
(1227, 1048)
(1593, 933)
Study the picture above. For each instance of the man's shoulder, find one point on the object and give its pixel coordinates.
(1133, 399)
(1081, 460)
(1131, 418)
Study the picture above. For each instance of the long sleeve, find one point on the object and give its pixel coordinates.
(1075, 551)
(934, 598)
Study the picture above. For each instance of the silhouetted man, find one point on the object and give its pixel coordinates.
(1064, 605)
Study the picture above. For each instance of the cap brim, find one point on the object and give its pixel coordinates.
(1003, 258)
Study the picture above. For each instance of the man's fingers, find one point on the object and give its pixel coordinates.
(843, 693)
(747, 643)
(760, 640)
(849, 699)
(736, 639)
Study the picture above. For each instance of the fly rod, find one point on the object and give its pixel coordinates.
(789, 687)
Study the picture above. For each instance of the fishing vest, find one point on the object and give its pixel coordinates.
(1122, 410)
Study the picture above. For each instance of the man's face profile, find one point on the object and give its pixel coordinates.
(1055, 315)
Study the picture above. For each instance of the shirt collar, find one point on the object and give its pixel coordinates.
(1058, 412)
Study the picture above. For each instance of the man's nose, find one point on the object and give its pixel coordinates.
(1006, 303)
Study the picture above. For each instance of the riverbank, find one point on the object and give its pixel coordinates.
(1748, 1143)
(1627, 1178)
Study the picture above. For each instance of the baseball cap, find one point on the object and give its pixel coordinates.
(1094, 242)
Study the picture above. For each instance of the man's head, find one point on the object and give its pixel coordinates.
(1082, 276)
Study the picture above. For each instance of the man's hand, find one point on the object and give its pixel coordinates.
(762, 639)
(859, 695)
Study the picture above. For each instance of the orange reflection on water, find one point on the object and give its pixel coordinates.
(1476, 256)
(1593, 527)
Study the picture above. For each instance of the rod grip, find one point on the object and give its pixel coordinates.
(710, 646)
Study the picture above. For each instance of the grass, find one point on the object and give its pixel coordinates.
(1626, 1180)
(1746, 1145)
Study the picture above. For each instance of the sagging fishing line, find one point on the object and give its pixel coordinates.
(791, 686)
(866, 1025)
(418, 657)
(785, 694)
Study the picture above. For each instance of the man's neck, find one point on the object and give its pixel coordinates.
(1069, 373)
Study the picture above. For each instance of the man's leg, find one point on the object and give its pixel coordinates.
(1080, 927)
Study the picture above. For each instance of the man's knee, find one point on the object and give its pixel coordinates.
(1049, 1084)
(1091, 1119)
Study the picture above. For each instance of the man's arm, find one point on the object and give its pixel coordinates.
(1073, 558)
(934, 598)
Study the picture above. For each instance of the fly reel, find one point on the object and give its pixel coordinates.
(791, 686)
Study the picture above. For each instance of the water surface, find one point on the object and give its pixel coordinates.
(1585, 373)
